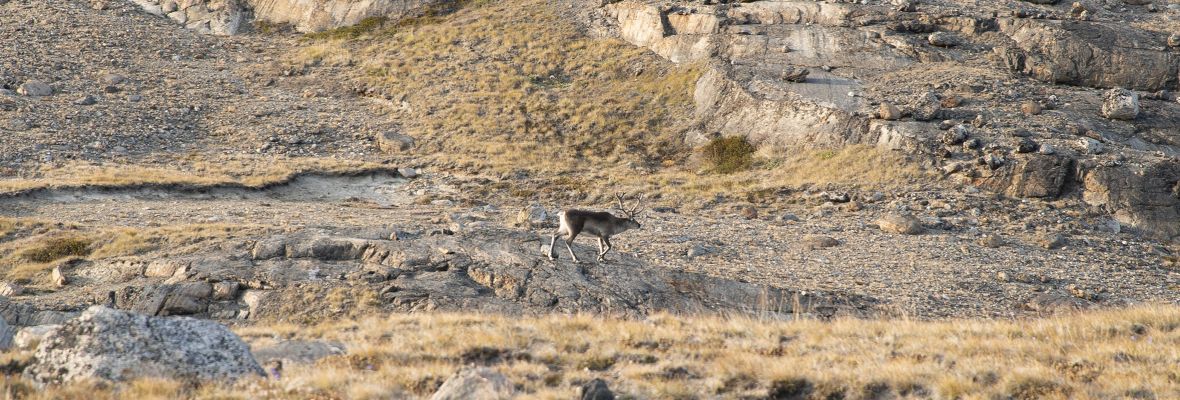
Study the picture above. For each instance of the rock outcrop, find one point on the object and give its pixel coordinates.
(882, 76)
(319, 15)
(229, 17)
(108, 344)
(217, 17)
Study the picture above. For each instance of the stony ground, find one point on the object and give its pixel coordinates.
(180, 96)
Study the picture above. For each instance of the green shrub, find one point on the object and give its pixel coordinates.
(56, 249)
(728, 154)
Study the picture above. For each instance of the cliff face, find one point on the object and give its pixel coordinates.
(1009, 96)
(229, 17)
(319, 15)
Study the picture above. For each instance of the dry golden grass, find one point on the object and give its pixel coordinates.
(1128, 353)
(30, 248)
(193, 170)
(511, 84)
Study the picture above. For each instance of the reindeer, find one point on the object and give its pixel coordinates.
(601, 224)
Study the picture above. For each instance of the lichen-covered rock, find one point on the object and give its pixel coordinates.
(107, 344)
(1119, 103)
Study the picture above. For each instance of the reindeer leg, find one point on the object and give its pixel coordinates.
(602, 257)
(553, 241)
(568, 246)
(601, 250)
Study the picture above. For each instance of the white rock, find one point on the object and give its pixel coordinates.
(108, 344)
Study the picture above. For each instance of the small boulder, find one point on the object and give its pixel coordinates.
(112, 345)
(991, 241)
(35, 89)
(812, 242)
(925, 107)
(944, 39)
(475, 384)
(1031, 108)
(112, 79)
(901, 224)
(57, 277)
(888, 112)
(1121, 104)
(795, 74)
(1025, 145)
(597, 390)
(1091, 146)
(393, 142)
(698, 250)
(225, 290)
(748, 212)
(86, 100)
(533, 216)
(1051, 241)
(408, 173)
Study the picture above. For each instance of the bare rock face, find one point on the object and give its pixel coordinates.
(1094, 54)
(319, 15)
(108, 344)
(230, 17)
(1032, 175)
(1119, 103)
(1145, 196)
(6, 335)
(475, 384)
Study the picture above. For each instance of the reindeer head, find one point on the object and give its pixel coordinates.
(631, 214)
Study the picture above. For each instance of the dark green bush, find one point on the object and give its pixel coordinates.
(56, 249)
(728, 154)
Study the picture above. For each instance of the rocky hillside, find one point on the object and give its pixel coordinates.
(1039, 99)
(287, 167)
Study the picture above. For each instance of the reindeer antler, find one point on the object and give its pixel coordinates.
(622, 207)
(635, 210)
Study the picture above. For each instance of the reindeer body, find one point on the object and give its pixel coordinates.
(600, 224)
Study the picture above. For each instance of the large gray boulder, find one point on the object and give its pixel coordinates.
(108, 344)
